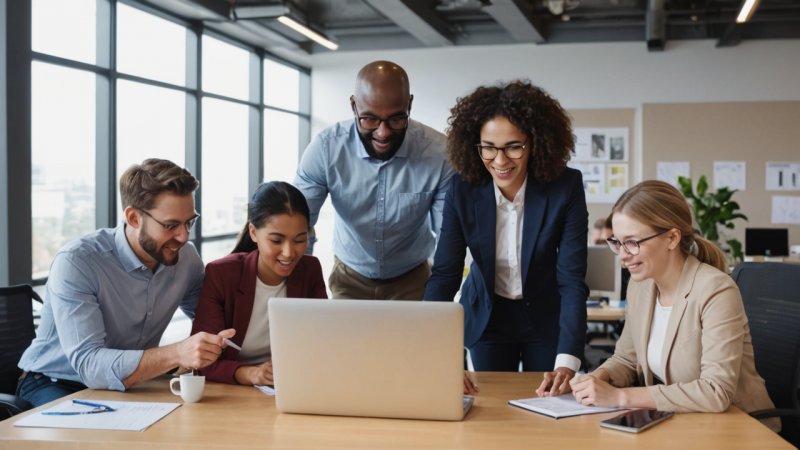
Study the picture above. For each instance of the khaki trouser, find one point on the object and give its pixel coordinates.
(345, 282)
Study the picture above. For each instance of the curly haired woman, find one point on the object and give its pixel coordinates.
(522, 213)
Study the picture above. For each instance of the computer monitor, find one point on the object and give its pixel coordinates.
(766, 241)
(603, 272)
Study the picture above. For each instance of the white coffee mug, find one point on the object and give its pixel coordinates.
(191, 387)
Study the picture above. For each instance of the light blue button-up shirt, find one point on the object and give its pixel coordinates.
(103, 308)
(387, 212)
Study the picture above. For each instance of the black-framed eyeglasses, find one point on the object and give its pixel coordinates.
(512, 151)
(396, 123)
(632, 246)
(171, 227)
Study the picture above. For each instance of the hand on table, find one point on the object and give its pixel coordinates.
(555, 383)
(470, 387)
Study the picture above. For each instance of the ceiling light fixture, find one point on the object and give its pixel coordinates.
(308, 32)
(747, 11)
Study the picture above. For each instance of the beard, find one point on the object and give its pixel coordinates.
(156, 251)
(395, 139)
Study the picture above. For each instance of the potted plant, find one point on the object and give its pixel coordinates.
(712, 209)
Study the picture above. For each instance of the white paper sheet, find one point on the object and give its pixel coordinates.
(785, 210)
(265, 389)
(783, 176)
(129, 416)
(669, 171)
(730, 174)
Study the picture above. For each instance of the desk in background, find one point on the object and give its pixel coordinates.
(241, 417)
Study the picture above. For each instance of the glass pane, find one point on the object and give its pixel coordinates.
(225, 69)
(224, 167)
(281, 146)
(149, 46)
(150, 124)
(281, 86)
(65, 29)
(63, 155)
(217, 249)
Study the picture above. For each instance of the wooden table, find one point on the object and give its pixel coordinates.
(239, 417)
(604, 313)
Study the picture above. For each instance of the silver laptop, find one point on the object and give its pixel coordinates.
(369, 358)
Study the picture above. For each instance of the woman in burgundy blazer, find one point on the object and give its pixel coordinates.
(270, 253)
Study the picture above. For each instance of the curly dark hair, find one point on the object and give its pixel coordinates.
(527, 107)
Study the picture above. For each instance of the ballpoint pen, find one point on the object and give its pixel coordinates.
(98, 408)
(232, 344)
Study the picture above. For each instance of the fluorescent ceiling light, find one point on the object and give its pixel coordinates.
(747, 11)
(307, 32)
(258, 11)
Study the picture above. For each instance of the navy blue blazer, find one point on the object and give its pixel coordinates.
(553, 257)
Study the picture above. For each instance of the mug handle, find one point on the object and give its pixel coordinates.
(172, 386)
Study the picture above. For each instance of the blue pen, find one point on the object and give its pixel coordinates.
(98, 408)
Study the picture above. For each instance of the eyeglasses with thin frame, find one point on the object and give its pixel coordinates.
(171, 227)
(512, 151)
(632, 246)
(396, 123)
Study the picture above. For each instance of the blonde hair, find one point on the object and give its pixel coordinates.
(662, 207)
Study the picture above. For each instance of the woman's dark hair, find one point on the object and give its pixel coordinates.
(527, 107)
(272, 198)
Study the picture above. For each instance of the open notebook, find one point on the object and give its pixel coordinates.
(372, 358)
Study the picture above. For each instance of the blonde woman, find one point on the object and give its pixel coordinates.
(686, 340)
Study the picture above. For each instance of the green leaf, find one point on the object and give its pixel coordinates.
(702, 186)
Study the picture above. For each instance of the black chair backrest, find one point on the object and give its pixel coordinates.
(771, 295)
(16, 332)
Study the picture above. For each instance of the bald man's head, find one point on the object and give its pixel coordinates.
(382, 92)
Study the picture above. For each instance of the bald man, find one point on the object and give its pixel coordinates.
(387, 177)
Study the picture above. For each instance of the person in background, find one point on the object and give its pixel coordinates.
(387, 177)
(686, 340)
(111, 294)
(268, 261)
(601, 231)
(522, 214)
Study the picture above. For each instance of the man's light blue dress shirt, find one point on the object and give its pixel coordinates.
(387, 212)
(103, 307)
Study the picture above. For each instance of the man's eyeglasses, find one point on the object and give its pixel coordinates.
(398, 122)
(512, 151)
(171, 227)
(631, 246)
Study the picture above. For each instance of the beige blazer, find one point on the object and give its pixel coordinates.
(707, 354)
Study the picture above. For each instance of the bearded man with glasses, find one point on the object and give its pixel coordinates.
(387, 176)
(110, 295)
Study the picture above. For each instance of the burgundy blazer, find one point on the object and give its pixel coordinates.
(226, 301)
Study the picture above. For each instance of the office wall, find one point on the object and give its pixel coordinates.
(754, 132)
(603, 84)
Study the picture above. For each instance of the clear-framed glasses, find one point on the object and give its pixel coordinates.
(398, 122)
(172, 226)
(512, 151)
(632, 246)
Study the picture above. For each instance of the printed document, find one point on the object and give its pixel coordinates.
(128, 416)
(558, 407)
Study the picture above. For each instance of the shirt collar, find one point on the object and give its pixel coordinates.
(127, 257)
(519, 199)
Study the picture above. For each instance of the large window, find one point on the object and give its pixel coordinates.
(65, 28)
(150, 47)
(151, 123)
(62, 157)
(96, 110)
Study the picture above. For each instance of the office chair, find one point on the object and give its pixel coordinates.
(771, 295)
(16, 333)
